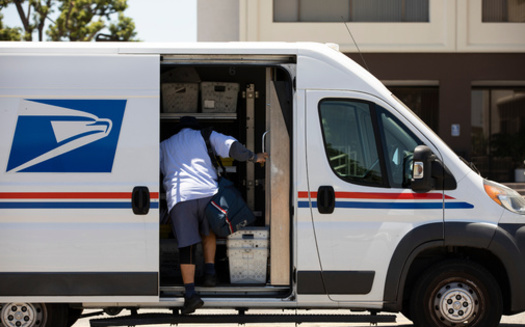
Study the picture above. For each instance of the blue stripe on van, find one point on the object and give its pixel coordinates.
(393, 205)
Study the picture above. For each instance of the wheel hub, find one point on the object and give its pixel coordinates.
(456, 303)
(21, 315)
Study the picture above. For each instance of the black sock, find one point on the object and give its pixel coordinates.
(209, 268)
(189, 290)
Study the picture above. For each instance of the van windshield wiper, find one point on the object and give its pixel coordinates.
(471, 165)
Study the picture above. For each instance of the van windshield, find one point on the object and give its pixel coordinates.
(399, 145)
(429, 130)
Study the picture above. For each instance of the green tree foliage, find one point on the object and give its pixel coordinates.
(9, 34)
(78, 20)
(124, 29)
(81, 20)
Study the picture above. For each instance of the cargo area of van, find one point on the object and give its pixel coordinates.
(251, 101)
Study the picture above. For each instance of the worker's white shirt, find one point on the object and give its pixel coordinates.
(187, 168)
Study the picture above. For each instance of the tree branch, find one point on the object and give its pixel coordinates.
(21, 13)
(68, 17)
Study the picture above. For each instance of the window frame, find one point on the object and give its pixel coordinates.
(385, 179)
(380, 141)
(489, 168)
(386, 155)
(349, 12)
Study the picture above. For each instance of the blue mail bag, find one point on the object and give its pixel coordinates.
(227, 212)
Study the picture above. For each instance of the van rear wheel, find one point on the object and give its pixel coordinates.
(33, 315)
(456, 293)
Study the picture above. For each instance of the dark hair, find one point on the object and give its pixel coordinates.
(188, 122)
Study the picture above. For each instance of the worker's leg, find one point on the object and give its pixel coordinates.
(188, 273)
(209, 245)
(185, 223)
(187, 264)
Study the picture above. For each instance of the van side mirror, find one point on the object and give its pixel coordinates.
(429, 173)
(422, 180)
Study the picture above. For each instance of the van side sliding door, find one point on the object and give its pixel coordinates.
(79, 177)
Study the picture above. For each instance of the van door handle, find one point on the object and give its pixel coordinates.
(264, 140)
(325, 199)
(140, 200)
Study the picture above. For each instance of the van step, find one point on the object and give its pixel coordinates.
(163, 318)
(230, 290)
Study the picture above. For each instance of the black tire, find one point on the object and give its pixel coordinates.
(456, 293)
(73, 316)
(57, 315)
(33, 314)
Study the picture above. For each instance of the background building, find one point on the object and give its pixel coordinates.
(459, 64)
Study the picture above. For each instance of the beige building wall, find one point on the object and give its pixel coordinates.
(454, 26)
(218, 20)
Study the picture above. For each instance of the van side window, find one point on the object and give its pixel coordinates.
(350, 141)
(399, 144)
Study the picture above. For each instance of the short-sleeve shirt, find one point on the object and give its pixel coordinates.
(186, 166)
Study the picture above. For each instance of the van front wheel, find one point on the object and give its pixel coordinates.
(33, 315)
(456, 293)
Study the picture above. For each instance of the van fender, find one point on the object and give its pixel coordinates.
(413, 243)
(505, 242)
(508, 245)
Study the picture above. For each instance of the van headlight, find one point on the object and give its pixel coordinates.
(505, 197)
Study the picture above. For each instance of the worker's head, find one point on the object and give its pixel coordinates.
(187, 122)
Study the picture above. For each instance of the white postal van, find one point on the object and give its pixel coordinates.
(365, 208)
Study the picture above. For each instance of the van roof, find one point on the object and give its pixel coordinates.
(326, 67)
(161, 48)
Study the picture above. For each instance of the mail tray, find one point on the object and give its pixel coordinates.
(180, 97)
(219, 97)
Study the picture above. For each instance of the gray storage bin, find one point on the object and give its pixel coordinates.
(219, 97)
(180, 97)
(247, 251)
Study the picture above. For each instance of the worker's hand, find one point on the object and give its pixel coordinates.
(261, 157)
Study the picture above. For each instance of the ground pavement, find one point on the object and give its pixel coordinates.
(507, 321)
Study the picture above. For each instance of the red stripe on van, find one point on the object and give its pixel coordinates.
(70, 195)
(381, 196)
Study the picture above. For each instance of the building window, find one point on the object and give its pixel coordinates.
(424, 102)
(503, 11)
(498, 131)
(351, 11)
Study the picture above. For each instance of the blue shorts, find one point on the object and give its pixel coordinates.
(188, 221)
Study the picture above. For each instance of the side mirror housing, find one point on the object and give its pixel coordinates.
(422, 180)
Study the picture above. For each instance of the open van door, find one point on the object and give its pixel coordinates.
(79, 177)
(278, 186)
(358, 158)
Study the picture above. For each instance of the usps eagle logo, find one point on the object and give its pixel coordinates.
(68, 136)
